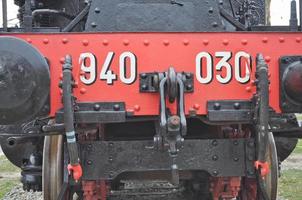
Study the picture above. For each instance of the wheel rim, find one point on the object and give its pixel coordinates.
(271, 179)
(52, 167)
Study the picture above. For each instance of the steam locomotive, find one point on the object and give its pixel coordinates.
(157, 99)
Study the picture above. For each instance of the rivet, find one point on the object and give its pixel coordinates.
(61, 76)
(110, 144)
(267, 58)
(214, 24)
(235, 142)
(62, 60)
(116, 107)
(215, 157)
(205, 42)
(186, 42)
(110, 159)
(225, 42)
(236, 159)
(166, 42)
(237, 106)
(93, 24)
(89, 162)
(97, 10)
(214, 143)
(217, 106)
(82, 90)
(196, 106)
(96, 107)
(85, 42)
(298, 39)
(281, 39)
(264, 40)
(244, 41)
(144, 87)
(105, 42)
(248, 89)
(143, 75)
(29, 40)
(126, 42)
(61, 91)
(211, 10)
(45, 41)
(146, 42)
(137, 108)
(215, 172)
(64, 40)
(269, 74)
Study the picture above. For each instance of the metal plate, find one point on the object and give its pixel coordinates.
(221, 157)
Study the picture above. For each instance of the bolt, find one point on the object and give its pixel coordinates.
(143, 76)
(186, 42)
(85, 42)
(196, 106)
(298, 39)
(137, 108)
(215, 172)
(146, 42)
(225, 42)
(214, 24)
(97, 10)
(250, 172)
(93, 24)
(166, 42)
(110, 159)
(189, 87)
(214, 143)
(264, 40)
(29, 40)
(217, 106)
(248, 89)
(144, 87)
(96, 107)
(205, 42)
(116, 107)
(211, 10)
(64, 40)
(82, 90)
(281, 39)
(236, 159)
(89, 162)
(244, 41)
(105, 42)
(237, 106)
(110, 144)
(45, 41)
(235, 142)
(215, 157)
(126, 42)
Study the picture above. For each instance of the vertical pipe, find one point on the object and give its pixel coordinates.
(4, 14)
(293, 22)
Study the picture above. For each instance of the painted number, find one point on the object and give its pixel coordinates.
(127, 68)
(205, 68)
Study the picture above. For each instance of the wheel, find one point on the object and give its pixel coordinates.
(249, 185)
(52, 178)
(285, 146)
(271, 180)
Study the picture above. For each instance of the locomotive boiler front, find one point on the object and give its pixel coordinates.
(24, 81)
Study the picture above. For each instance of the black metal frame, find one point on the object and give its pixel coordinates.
(106, 160)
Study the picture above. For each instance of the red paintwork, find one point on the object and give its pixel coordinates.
(156, 52)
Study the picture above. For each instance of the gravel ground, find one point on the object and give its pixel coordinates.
(18, 193)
